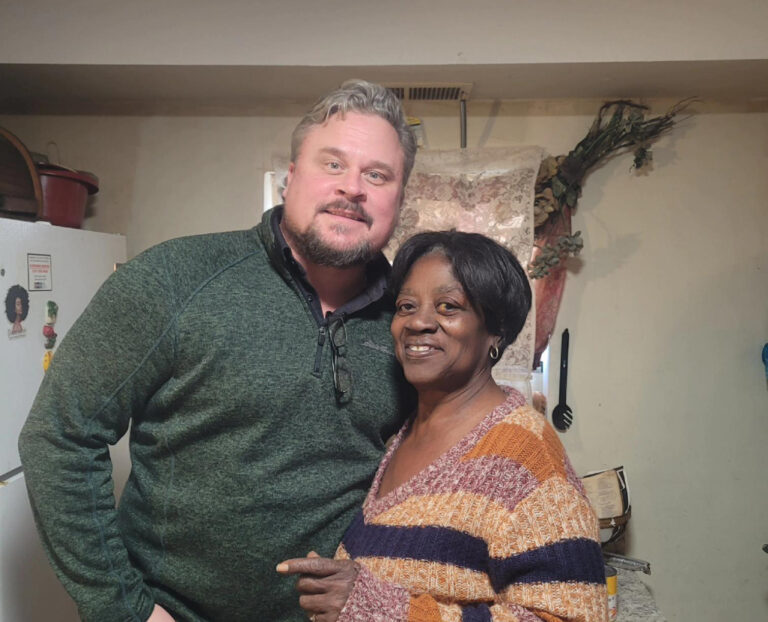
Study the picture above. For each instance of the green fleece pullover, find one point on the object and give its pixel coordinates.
(242, 455)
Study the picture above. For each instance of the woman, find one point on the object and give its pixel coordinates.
(475, 512)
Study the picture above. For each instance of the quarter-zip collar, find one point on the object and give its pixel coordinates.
(281, 257)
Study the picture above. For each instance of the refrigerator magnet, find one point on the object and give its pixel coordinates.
(50, 336)
(51, 313)
(16, 310)
(40, 272)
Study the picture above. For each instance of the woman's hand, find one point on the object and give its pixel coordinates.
(324, 584)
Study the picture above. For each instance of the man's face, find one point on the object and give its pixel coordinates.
(343, 192)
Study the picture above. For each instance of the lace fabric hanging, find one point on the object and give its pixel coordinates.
(488, 191)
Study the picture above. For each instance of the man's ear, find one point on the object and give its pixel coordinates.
(288, 178)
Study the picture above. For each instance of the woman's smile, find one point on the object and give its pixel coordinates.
(420, 348)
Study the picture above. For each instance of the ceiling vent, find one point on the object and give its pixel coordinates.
(445, 92)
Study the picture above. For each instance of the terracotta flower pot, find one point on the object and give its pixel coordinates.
(65, 193)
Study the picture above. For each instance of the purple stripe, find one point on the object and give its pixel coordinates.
(476, 613)
(579, 560)
(502, 479)
(430, 544)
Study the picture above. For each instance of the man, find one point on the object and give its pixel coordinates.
(257, 372)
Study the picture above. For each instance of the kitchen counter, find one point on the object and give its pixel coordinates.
(635, 601)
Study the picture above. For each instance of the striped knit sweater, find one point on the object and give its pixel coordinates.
(496, 529)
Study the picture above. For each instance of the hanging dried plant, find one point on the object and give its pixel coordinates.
(620, 126)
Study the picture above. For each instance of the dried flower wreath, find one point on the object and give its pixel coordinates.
(620, 126)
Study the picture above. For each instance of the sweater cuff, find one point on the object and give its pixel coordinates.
(374, 600)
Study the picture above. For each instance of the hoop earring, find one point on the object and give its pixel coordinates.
(494, 353)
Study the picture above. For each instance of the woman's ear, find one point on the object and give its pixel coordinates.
(494, 344)
(495, 341)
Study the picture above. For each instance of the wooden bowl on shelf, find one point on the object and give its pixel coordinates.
(21, 194)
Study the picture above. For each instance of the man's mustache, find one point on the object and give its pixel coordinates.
(347, 206)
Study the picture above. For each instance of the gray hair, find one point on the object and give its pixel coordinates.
(366, 98)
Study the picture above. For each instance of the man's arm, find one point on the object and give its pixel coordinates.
(103, 373)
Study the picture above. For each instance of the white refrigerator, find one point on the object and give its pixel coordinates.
(47, 277)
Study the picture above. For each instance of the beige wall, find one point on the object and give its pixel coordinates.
(667, 308)
(164, 177)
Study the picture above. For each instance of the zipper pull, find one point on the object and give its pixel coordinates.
(321, 336)
(319, 350)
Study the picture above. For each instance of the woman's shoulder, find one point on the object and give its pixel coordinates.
(515, 420)
(523, 437)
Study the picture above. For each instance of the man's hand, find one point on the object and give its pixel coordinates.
(324, 584)
(160, 615)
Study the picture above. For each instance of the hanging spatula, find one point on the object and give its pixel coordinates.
(562, 415)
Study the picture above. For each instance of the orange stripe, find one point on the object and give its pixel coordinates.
(450, 613)
(461, 510)
(543, 457)
(423, 608)
(528, 418)
(433, 578)
(579, 602)
(553, 512)
(341, 553)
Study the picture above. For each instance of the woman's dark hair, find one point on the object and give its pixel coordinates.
(14, 292)
(492, 277)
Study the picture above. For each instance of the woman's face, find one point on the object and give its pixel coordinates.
(19, 307)
(440, 340)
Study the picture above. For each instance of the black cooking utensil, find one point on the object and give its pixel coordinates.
(562, 415)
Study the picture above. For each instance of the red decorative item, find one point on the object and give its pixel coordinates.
(548, 291)
(48, 332)
(65, 193)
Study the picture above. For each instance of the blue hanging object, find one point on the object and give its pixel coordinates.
(765, 359)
